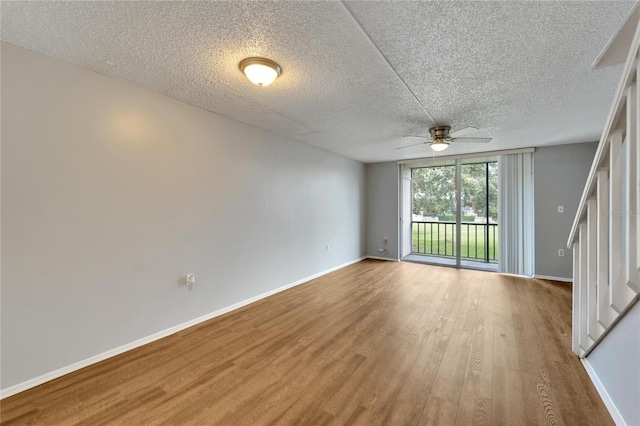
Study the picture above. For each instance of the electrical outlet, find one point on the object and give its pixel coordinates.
(191, 279)
(560, 209)
(561, 253)
(385, 240)
(327, 247)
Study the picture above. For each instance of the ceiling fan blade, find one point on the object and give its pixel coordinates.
(461, 131)
(473, 140)
(413, 144)
(419, 137)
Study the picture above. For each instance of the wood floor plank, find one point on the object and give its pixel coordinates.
(478, 376)
(349, 397)
(376, 342)
(542, 407)
(321, 388)
(505, 352)
(507, 407)
(473, 410)
(438, 412)
(450, 378)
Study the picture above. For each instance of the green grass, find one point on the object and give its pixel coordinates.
(426, 242)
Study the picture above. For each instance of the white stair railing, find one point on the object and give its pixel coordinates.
(605, 232)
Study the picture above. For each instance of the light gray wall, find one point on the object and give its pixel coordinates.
(560, 173)
(616, 361)
(382, 209)
(112, 193)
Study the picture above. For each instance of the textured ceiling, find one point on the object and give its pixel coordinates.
(519, 71)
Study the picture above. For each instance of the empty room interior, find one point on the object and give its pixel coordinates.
(319, 212)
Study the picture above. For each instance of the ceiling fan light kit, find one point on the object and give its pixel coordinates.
(439, 145)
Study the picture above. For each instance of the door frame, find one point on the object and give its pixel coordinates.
(405, 230)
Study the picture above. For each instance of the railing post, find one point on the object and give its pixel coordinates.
(468, 226)
(495, 241)
(475, 237)
(593, 328)
(583, 301)
(445, 239)
(636, 141)
(575, 323)
(619, 292)
(631, 246)
(431, 233)
(631, 196)
(605, 313)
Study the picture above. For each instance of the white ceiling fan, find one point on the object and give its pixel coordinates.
(441, 138)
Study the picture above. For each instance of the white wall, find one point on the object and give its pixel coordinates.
(111, 194)
(616, 362)
(560, 173)
(382, 209)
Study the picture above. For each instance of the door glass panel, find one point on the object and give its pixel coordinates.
(434, 211)
(479, 209)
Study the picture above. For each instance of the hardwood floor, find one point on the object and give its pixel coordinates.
(373, 343)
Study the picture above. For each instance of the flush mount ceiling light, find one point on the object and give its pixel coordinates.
(260, 71)
(439, 144)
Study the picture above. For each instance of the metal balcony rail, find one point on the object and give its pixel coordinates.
(479, 240)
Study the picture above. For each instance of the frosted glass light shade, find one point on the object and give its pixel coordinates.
(439, 145)
(260, 71)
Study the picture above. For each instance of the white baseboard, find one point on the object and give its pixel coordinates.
(546, 277)
(20, 387)
(382, 258)
(608, 402)
(509, 274)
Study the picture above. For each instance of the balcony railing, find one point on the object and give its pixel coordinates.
(479, 241)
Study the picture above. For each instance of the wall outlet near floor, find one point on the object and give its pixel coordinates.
(561, 253)
(327, 247)
(191, 279)
(380, 250)
(385, 240)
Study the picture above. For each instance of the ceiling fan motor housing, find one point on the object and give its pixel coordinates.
(440, 132)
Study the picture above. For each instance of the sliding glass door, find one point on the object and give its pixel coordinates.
(454, 217)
